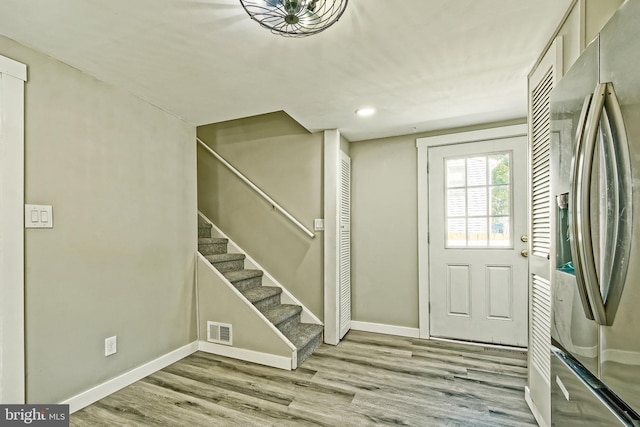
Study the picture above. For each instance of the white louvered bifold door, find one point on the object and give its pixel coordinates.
(541, 82)
(540, 173)
(345, 244)
(541, 315)
(540, 226)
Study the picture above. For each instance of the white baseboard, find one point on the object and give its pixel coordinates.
(100, 391)
(266, 359)
(534, 409)
(380, 328)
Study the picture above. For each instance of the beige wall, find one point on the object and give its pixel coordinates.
(384, 247)
(384, 228)
(285, 161)
(120, 259)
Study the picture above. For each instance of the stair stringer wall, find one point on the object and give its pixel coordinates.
(254, 338)
(306, 315)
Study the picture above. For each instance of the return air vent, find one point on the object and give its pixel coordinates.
(219, 333)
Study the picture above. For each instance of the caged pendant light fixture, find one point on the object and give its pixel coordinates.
(295, 18)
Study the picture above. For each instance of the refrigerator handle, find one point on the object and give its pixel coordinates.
(622, 229)
(582, 206)
(575, 190)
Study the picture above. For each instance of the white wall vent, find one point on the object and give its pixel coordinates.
(219, 333)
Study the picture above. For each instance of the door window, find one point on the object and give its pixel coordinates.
(478, 201)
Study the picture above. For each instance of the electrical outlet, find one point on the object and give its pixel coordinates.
(110, 346)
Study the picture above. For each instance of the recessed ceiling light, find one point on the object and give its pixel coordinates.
(365, 111)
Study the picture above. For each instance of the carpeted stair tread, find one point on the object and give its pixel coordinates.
(212, 240)
(282, 312)
(263, 292)
(212, 245)
(303, 333)
(204, 228)
(224, 257)
(237, 275)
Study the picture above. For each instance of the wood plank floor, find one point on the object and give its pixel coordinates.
(367, 380)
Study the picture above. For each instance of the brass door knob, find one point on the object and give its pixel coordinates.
(524, 252)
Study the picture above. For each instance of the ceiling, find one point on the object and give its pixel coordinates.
(424, 64)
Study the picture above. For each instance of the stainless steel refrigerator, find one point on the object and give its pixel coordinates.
(595, 183)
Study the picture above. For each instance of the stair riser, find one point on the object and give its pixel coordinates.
(212, 248)
(204, 231)
(243, 285)
(289, 323)
(308, 349)
(267, 303)
(225, 266)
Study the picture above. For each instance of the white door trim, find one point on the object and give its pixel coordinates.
(423, 145)
(12, 366)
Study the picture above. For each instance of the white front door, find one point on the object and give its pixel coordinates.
(477, 216)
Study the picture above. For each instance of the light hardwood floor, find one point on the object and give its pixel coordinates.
(368, 379)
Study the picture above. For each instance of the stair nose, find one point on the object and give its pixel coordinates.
(263, 297)
(227, 262)
(212, 246)
(284, 316)
(306, 337)
(303, 333)
(244, 279)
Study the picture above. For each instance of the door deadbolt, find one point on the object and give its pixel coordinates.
(524, 238)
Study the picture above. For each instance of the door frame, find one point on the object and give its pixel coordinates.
(423, 145)
(12, 335)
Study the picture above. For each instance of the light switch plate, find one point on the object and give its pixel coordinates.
(38, 216)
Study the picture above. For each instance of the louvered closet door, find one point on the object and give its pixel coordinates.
(541, 83)
(345, 244)
(540, 226)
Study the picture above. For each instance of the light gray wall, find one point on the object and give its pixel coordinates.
(285, 161)
(384, 206)
(384, 228)
(120, 174)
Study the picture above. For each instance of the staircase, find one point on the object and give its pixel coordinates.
(306, 337)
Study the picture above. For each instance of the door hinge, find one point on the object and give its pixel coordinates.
(427, 167)
(428, 238)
